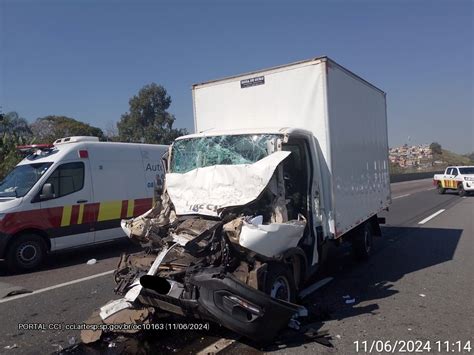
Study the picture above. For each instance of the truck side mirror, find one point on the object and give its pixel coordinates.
(47, 192)
(165, 160)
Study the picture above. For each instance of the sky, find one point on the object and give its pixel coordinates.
(85, 59)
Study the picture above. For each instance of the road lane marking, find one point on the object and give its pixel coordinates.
(430, 189)
(431, 217)
(57, 286)
(400, 196)
(217, 347)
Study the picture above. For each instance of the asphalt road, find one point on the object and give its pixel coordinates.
(416, 287)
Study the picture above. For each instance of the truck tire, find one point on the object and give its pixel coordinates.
(461, 191)
(441, 190)
(362, 241)
(279, 282)
(25, 253)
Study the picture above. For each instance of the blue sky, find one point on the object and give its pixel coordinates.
(85, 59)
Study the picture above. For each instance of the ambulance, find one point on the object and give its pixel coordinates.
(74, 193)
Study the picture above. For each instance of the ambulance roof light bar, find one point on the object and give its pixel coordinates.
(34, 147)
(75, 139)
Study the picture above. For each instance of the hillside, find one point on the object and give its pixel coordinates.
(446, 158)
(450, 158)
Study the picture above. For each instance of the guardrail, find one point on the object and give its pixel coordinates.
(413, 176)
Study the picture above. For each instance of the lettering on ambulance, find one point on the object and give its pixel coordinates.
(154, 167)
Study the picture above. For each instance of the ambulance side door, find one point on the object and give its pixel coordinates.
(70, 209)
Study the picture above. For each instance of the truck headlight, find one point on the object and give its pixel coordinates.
(2, 216)
(468, 178)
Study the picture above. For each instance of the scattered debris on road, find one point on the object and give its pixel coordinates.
(91, 262)
(7, 290)
(10, 347)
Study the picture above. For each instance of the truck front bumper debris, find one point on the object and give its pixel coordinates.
(224, 300)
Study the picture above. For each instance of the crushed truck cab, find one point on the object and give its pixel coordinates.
(459, 178)
(300, 159)
(223, 241)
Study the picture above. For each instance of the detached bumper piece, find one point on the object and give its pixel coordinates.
(224, 300)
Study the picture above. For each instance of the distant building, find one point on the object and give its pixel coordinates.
(419, 156)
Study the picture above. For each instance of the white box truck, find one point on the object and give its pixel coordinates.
(73, 193)
(283, 161)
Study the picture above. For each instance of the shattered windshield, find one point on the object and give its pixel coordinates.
(192, 153)
(21, 179)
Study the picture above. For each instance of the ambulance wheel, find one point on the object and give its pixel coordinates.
(26, 252)
(362, 241)
(461, 191)
(279, 282)
(441, 190)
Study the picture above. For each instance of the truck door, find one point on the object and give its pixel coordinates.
(69, 209)
(297, 175)
(449, 178)
(455, 177)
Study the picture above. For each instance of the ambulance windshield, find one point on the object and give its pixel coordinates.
(21, 179)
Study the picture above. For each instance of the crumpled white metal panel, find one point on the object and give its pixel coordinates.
(206, 190)
(271, 239)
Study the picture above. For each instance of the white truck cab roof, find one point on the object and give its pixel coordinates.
(242, 131)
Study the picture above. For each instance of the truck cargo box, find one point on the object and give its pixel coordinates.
(346, 114)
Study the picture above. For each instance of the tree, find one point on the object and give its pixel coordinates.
(148, 120)
(111, 131)
(11, 123)
(14, 131)
(436, 148)
(49, 128)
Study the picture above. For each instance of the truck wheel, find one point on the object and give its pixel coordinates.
(461, 191)
(441, 190)
(362, 241)
(25, 253)
(279, 282)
